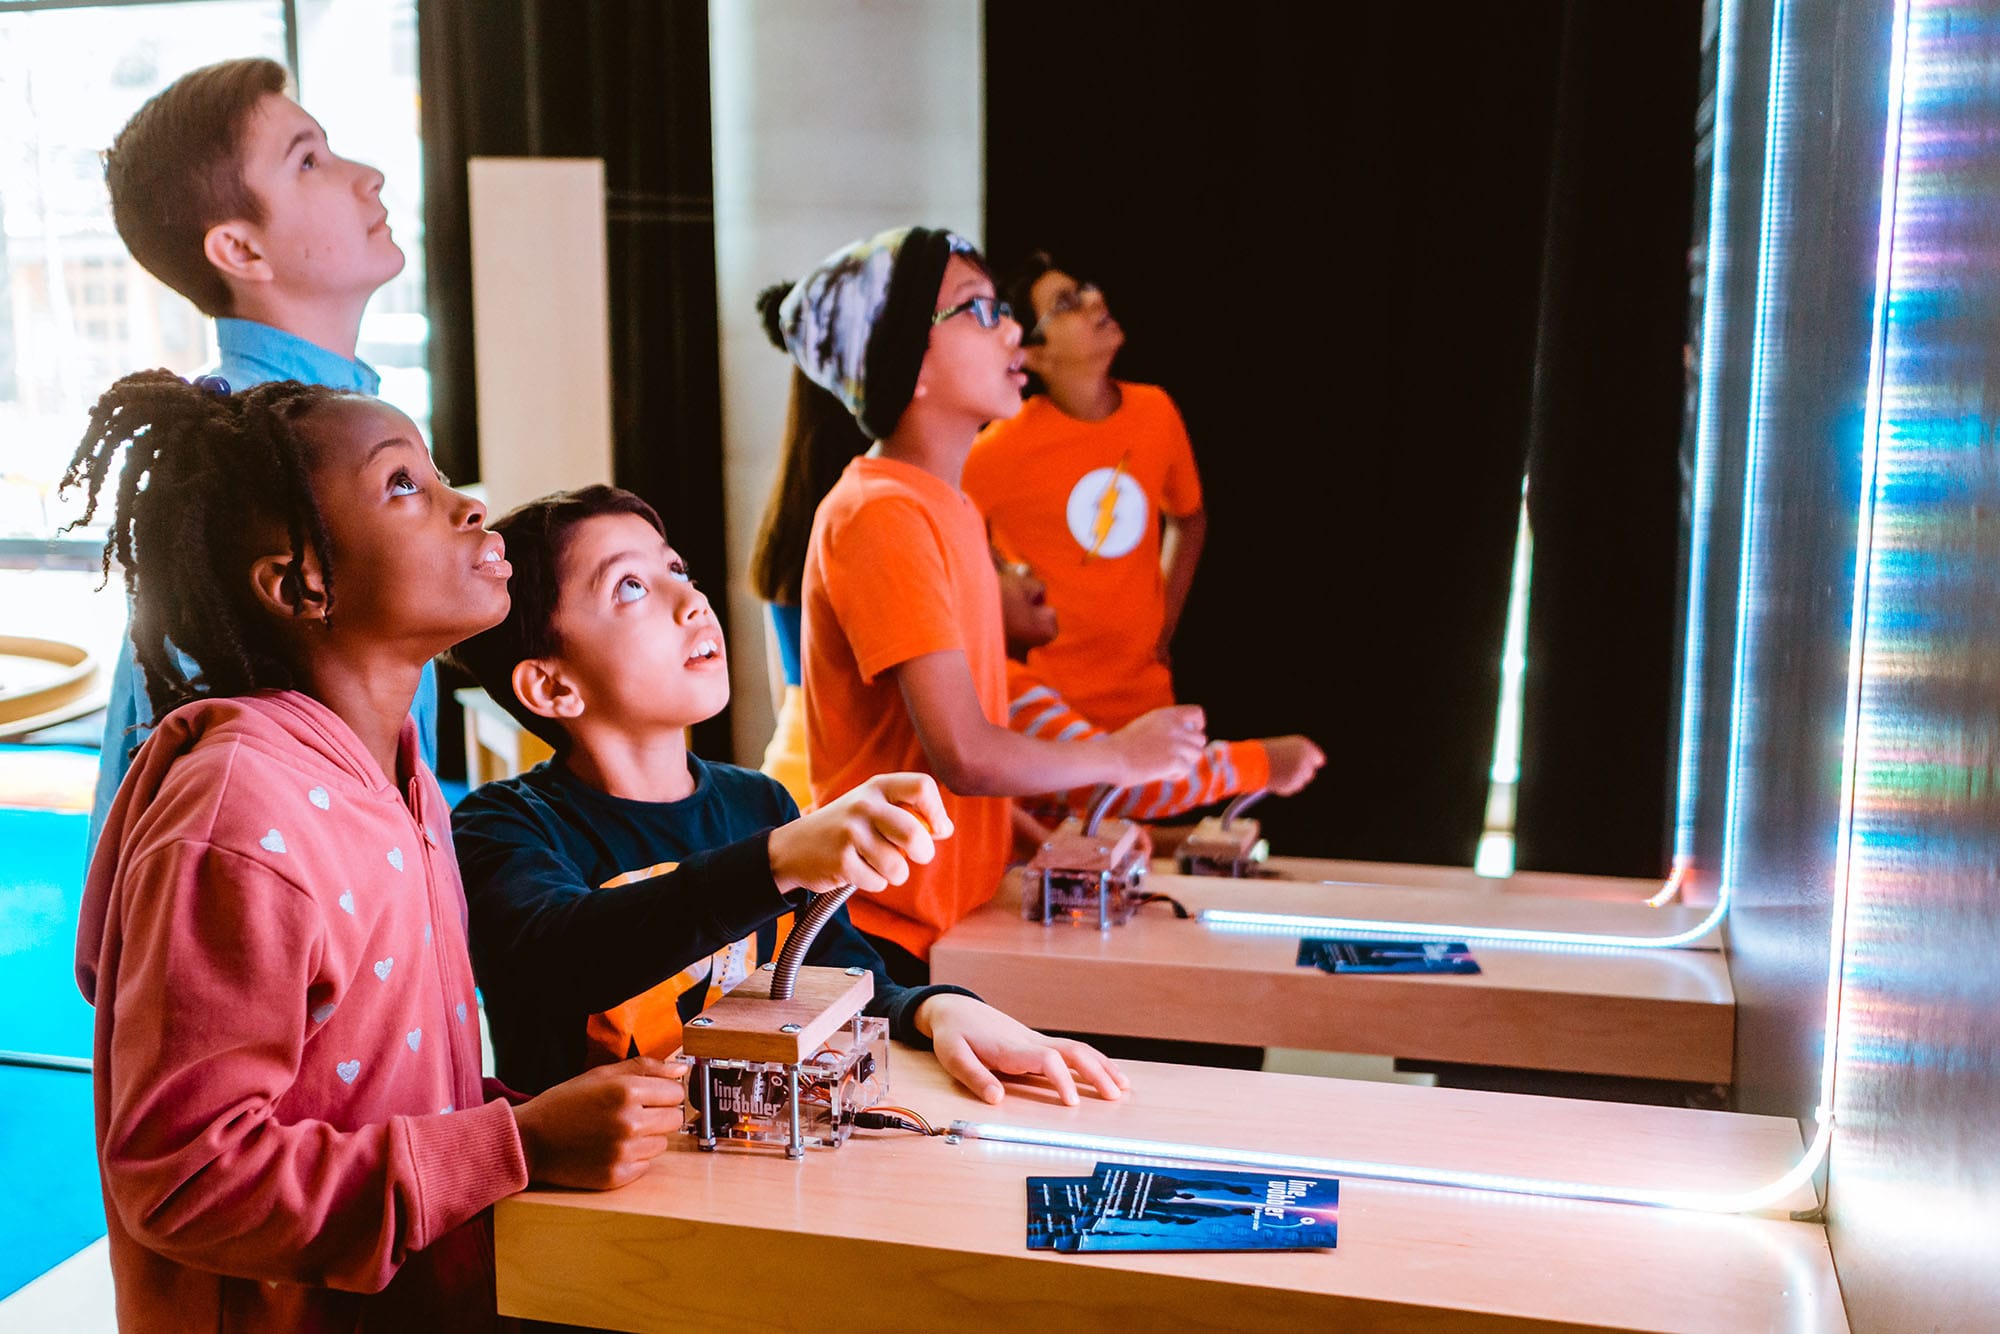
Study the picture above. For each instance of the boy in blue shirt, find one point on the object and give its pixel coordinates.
(224, 189)
(618, 889)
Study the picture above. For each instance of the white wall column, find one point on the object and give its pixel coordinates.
(833, 119)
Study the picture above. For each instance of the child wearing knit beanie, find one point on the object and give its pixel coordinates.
(905, 657)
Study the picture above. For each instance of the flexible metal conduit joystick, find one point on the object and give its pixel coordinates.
(785, 973)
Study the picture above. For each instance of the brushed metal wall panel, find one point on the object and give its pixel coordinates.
(1782, 430)
(1914, 1183)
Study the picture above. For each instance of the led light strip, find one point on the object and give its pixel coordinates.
(1296, 924)
(1717, 254)
(1721, 1202)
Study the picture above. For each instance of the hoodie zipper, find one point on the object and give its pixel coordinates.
(447, 980)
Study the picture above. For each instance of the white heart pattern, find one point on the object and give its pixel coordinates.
(461, 1012)
(347, 902)
(382, 967)
(319, 798)
(414, 1037)
(272, 842)
(347, 1070)
(396, 858)
(322, 1013)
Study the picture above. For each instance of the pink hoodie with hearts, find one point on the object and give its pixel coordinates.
(291, 1124)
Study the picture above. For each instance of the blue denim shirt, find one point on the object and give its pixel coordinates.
(252, 354)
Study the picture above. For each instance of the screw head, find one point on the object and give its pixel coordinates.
(700, 1021)
(856, 971)
(788, 1028)
(771, 967)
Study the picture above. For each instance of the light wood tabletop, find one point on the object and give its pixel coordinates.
(895, 1231)
(1652, 1014)
(1547, 884)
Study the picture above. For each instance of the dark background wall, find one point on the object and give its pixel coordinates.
(1605, 487)
(627, 81)
(1327, 231)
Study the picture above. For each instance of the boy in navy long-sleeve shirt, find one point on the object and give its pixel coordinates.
(573, 975)
(619, 888)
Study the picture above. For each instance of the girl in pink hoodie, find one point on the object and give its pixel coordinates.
(292, 1127)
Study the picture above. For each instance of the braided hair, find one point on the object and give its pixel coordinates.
(206, 473)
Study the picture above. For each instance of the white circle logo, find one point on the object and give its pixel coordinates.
(1107, 513)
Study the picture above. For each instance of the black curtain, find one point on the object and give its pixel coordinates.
(1605, 487)
(1322, 227)
(627, 81)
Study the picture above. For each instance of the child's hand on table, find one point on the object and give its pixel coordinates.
(975, 1043)
(866, 839)
(600, 1129)
(1164, 743)
(1294, 762)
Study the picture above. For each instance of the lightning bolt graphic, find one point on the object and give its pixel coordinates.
(1107, 509)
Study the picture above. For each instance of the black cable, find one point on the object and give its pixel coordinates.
(1180, 909)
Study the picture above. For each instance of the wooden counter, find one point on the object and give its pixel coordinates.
(898, 1232)
(1545, 884)
(1653, 1014)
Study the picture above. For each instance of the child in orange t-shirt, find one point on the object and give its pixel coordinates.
(1093, 484)
(905, 664)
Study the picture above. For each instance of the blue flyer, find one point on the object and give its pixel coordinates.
(1127, 1207)
(1386, 956)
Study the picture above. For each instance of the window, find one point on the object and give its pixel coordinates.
(75, 311)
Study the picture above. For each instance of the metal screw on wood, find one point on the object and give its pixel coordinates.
(856, 971)
(700, 1021)
(788, 1028)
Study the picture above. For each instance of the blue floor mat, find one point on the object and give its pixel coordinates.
(41, 883)
(48, 1158)
(48, 1151)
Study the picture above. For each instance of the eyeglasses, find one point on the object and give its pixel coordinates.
(1071, 300)
(988, 310)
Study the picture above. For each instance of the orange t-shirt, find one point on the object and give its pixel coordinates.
(1081, 502)
(897, 568)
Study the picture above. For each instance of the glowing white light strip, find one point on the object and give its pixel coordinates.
(1723, 1202)
(1672, 889)
(1754, 447)
(1717, 247)
(1236, 919)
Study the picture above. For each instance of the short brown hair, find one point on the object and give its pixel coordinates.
(176, 170)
